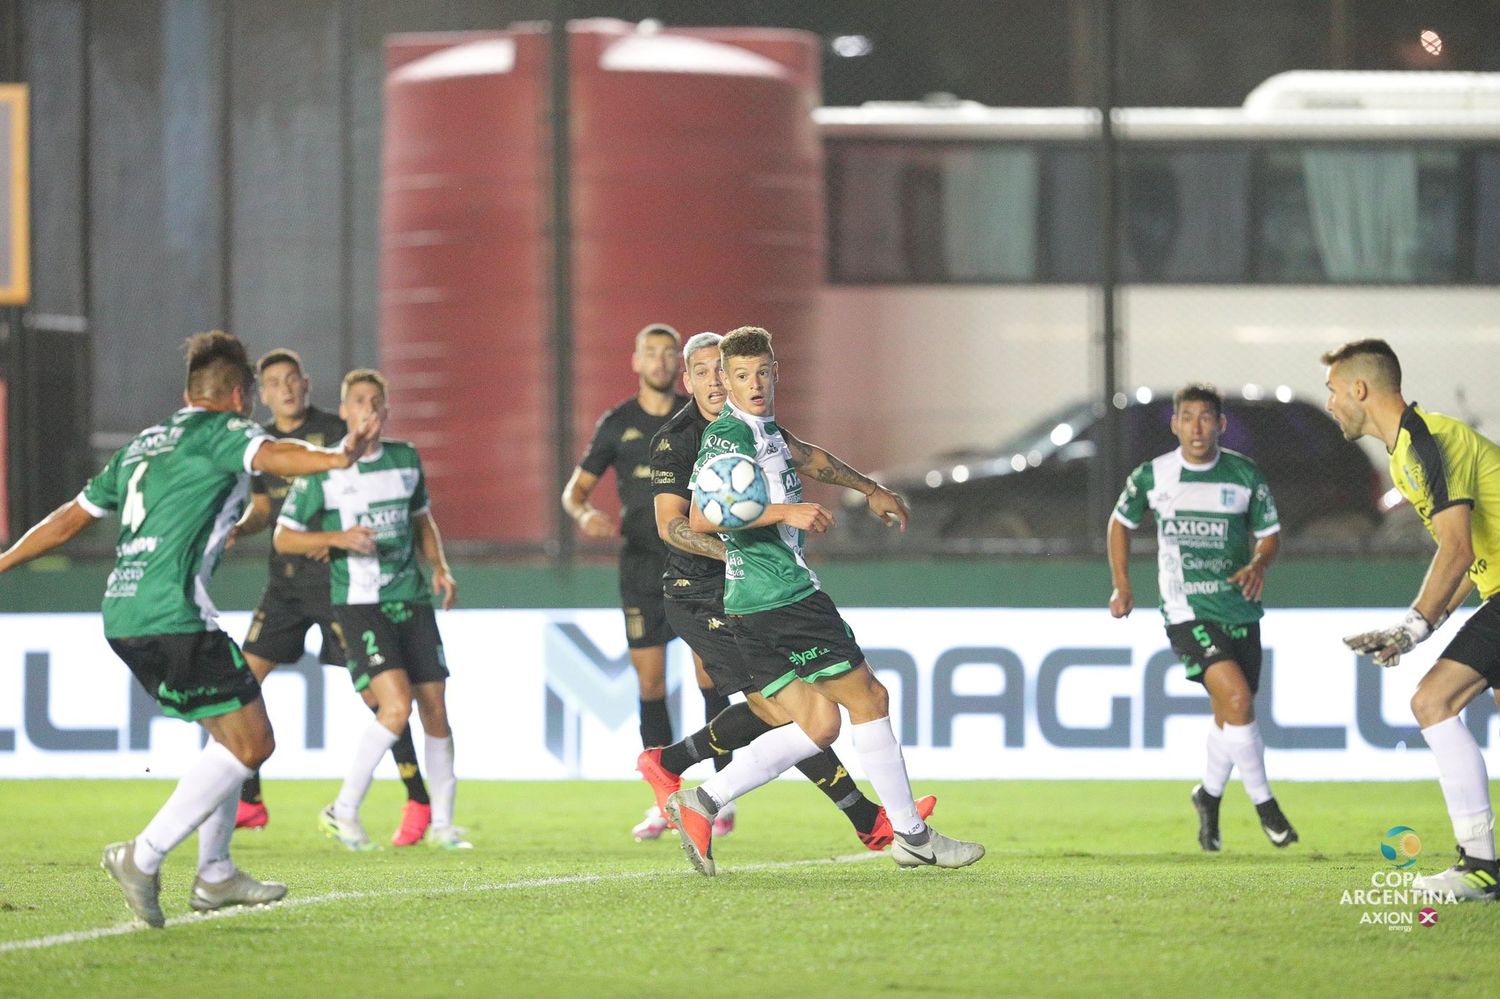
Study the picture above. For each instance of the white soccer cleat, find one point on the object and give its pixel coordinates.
(724, 821)
(651, 827)
(240, 889)
(937, 851)
(447, 838)
(142, 891)
(349, 832)
(1468, 880)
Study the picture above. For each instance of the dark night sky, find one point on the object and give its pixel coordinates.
(1041, 52)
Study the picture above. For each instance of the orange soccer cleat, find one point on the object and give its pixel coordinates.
(664, 783)
(415, 818)
(696, 827)
(882, 835)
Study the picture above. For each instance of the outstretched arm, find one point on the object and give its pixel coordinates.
(817, 463)
(291, 458)
(290, 541)
(55, 529)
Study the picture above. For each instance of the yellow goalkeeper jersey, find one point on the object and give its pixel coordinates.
(1439, 462)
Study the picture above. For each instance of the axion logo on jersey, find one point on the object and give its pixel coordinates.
(395, 516)
(1200, 527)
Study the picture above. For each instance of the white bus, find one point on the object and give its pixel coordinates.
(964, 241)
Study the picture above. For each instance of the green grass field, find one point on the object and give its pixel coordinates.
(1088, 888)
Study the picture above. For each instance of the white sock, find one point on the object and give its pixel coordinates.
(373, 745)
(1466, 786)
(1248, 751)
(214, 775)
(759, 763)
(1216, 772)
(438, 755)
(880, 754)
(214, 864)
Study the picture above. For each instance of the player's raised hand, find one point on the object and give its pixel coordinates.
(1121, 603)
(889, 507)
(359, 540)
(807, 517)
(596, 524)
(362, 437)
(1251, 580)
(445, 586)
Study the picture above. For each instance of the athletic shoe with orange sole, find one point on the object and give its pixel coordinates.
(696, 827)
(415, 818)
(664, 783)
(883, 835)
(251, 816)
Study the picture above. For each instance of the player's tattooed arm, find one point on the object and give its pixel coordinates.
(818, 463)
(674, 527)
(682, 536)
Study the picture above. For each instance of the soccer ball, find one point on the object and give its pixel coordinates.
(731, 491)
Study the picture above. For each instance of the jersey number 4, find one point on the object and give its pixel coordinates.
(134, 510)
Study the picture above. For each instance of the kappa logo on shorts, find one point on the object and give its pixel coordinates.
(682, 583)
(803, 658)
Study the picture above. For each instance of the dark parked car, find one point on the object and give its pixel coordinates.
(1036, 486)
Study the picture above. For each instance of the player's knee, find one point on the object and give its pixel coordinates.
(822, 729)
(394, 713)
(1430, 706)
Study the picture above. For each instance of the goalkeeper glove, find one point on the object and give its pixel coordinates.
(1387, 644)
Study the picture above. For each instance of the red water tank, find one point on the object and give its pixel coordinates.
(697, 201)
(464, 275)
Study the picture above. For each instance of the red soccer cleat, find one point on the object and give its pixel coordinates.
(415, 818)
(251, 816)
(664, 783)
(882, 835)
(696, 827)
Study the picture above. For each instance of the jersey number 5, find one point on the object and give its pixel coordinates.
(134, 510)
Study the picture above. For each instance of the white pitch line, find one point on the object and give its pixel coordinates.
(84, 936)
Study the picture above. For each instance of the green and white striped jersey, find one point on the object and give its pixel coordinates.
(763, 567)
(1206, 516)
(383, 491)
(179, 487)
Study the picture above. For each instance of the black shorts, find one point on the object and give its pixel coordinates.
(708, 631)
(640, 597)
(192, 676)
(806, 640)
(279, 629)
(1200, 644)
(392, 635)
(1477, 644)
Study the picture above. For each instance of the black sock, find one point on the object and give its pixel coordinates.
(404, 752)
(250, 790)
(730, 729)
(715, 704)
(828, 773)
(656, 724)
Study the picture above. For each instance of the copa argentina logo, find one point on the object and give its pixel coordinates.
(1393, 900)
(1401, 847)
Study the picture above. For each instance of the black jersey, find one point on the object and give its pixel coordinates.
(322, 430)
(674, 449)
(622, 438)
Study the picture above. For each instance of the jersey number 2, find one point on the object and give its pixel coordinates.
(135, 503)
